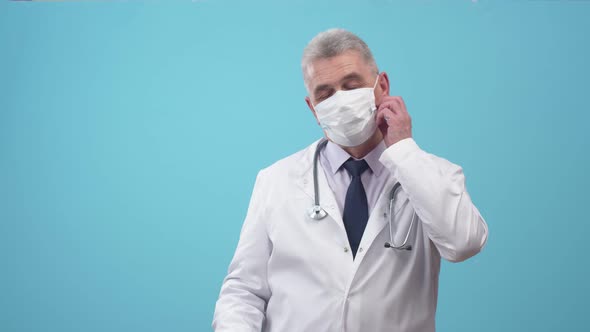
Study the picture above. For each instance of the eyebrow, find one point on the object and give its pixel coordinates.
(349, 77)
(352, 76)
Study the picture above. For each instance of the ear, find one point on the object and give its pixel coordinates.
(310, 105)
(383, 87)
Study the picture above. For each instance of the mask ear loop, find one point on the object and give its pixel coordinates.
(377, 80)
(375, 86)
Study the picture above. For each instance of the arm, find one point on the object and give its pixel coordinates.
(436, 188)
(242, 301)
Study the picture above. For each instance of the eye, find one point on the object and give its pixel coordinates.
(351, 85)
(323, 96)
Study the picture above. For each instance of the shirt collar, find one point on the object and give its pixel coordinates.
(336, 157)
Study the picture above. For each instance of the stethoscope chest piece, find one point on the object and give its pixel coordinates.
(316, 212)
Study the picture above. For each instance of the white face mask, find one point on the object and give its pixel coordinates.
(348, 117)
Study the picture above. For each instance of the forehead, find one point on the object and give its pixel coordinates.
(328, 71)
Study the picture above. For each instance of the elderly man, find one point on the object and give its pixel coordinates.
(348, 234)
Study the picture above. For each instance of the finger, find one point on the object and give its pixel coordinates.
(390, 105)
(384, 116)
(385, 112)
(396, 104)
(382, 123)
(401, 104)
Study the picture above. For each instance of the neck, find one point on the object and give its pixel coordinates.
(362, 150)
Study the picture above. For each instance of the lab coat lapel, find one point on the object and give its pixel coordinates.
(305, 182)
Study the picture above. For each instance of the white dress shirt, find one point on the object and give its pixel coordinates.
(332, 159)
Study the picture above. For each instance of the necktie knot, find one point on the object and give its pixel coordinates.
(355, 167)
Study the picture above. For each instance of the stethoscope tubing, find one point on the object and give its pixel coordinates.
(316, 212)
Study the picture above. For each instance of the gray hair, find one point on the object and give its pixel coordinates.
(331, 43)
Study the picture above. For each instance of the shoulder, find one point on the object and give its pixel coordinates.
(293, 164)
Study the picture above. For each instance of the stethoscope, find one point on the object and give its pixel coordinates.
(316, 212)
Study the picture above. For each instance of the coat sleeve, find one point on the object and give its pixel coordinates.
(436, 188)
(244, 293)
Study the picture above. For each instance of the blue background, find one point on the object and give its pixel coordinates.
(131, 134)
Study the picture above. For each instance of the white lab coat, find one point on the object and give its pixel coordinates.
(293, 273)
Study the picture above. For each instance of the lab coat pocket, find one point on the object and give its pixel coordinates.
(401, 220)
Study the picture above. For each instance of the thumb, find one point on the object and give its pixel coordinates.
(382, 114)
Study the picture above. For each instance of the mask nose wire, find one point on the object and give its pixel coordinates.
(374, 87)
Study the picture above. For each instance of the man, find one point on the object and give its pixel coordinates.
(336, 269)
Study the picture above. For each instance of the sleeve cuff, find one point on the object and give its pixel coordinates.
(398, 152)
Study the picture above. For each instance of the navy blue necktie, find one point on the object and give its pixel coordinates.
(356, 210)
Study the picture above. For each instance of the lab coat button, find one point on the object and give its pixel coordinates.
(345, 249)
(361, 249)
